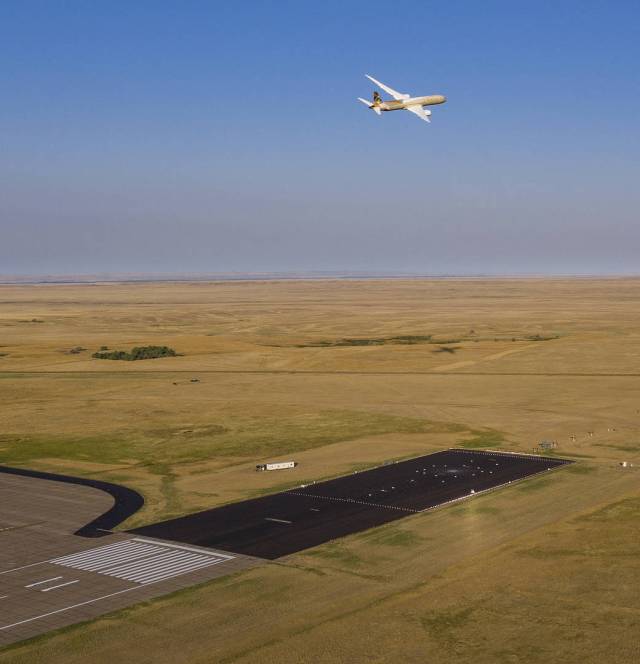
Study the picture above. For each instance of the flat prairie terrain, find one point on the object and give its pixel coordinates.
(339, 376)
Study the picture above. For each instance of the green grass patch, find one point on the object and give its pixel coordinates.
(168, 491)
(98, 449)
(336, 552)
(267, 437)
(391, 535)
(442, 624)
(580, 469)
(622, 510)
(542, 337)
(484, 509)
(472, 507)
(407, 339)
(548, 553)
(238, 436)
(413, 339)
(293, 483)
(534, 484)
(620, 448)
(483, 439)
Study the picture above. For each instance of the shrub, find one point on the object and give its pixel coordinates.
(136, 353)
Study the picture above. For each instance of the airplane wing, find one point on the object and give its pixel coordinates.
(419, 111)
(399, 96)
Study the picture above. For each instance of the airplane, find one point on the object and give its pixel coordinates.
(403, 102)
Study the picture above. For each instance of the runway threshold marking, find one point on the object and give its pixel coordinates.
(151, 574)
(38, 583)
(142, 561)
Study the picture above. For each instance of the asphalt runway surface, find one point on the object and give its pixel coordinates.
(291, 521)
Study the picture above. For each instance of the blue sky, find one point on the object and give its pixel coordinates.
(210, 137)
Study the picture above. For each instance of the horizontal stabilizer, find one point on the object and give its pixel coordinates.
(373, 107)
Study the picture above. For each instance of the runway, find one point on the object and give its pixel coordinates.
(284, 523)
(50, 577)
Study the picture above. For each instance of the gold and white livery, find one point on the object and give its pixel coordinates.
(402, 102)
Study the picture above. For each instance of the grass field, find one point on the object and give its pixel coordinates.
(542, 571)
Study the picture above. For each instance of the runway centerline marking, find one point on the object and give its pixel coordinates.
(60, 585)
(67, 608)
(353, 500)
(268, 518)
(38, 583)
(15, 569)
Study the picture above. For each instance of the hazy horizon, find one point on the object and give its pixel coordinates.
(199, 138)
(208, 277)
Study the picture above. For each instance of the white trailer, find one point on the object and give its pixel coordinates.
(280, 465)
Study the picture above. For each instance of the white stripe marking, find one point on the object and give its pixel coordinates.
(110, 550)
(174, 567)
(106, 547)
(161, 577)
(60, 585)
(37, 583)
(277, 520)
(149, 574)
(141, 560)
(111, 560)
(156, 561)
(132, 572)
(95, 554)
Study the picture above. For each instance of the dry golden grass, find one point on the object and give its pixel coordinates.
(543, 571)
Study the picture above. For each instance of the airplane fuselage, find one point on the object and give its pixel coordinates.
(393, 105)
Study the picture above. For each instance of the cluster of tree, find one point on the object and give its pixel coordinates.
(136, 353)
(376, 341)
(542, 337)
